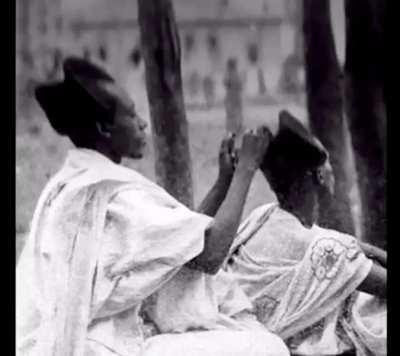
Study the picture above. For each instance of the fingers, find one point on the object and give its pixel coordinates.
(228, 143)
(224, 145)
(262, 130)
(248, 136)
(235, 157)
(261, 133)
(231, 142)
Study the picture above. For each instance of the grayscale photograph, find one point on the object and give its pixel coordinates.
(200, 178)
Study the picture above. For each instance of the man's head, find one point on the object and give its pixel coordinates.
(297, 167)
(93, 111)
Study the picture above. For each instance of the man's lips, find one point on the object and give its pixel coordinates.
(143, 143)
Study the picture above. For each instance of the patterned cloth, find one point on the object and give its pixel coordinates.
(300, 282)
(104, 240)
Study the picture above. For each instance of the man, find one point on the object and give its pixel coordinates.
(104, 239)
(303, 280)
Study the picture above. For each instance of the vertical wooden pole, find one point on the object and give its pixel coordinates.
(233, 98)
(24, 53)
(325, 106)
(162, 57)
(366, 110)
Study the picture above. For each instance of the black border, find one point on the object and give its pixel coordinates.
(391, 88)
(392, 65)
(8, 50)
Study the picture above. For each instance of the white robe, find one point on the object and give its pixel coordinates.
(104, 241)
(303, 284)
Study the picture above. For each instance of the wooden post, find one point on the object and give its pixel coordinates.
(162, 57)
(289, 82)
(233, 98)
(365, 107)
(325, 106)
(24, 53)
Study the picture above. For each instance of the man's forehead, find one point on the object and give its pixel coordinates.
(120, 94)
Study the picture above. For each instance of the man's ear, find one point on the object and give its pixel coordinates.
(325, 177)
(104, 129)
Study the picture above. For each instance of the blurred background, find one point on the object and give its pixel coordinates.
(263, 38)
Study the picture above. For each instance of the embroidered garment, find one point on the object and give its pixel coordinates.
(103, 240)
(300, 281)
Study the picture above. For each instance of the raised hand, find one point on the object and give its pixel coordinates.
(227, 158)
(254, 146)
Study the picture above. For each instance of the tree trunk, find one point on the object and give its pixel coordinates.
(24, 53)
(366, 110)
(325, 106)
(162, 57)
(298, 50)
(290, 82)
(233, 98)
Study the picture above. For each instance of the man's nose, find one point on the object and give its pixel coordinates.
(142, 123)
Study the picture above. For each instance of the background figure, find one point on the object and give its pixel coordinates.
(262, 87)
(53, 72)
(209, 91)
(255, 81)
(290, 81)
(233, 98)
(86, 54)
(193, 84)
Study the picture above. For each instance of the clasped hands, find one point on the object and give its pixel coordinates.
(248, 157)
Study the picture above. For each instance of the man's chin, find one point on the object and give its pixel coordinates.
(136, 155)
(308, 223)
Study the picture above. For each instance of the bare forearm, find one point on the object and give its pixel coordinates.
(213, 200)
(220, 236)
(375, 253)
(375, 282)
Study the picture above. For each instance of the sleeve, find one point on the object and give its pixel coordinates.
(334, 253)
(148, 237)
(332, 269)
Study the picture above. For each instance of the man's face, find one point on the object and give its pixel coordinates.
(309, 196)
(325, 178)
(128, 137)
(128, 133)
(320, 182)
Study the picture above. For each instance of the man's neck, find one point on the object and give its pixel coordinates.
(298, 208)
(106, 151)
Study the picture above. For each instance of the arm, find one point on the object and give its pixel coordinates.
(374, 253)
(375, 282)
(211, 203)
(219, 237)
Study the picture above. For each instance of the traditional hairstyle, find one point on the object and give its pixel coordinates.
(292, 154)
(79, 101)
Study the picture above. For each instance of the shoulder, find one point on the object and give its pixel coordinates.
(280, 237)
(334, 236)
(282, 219)
(150, 206)
(284, 226)
(143, 194)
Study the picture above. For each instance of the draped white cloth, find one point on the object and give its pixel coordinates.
(103, 240)
(303, 283)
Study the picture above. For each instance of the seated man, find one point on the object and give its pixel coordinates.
(104, 239)
(321, 290)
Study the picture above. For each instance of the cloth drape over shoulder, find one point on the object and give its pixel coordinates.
(105, 243)
(302, 283)
(103, 238)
